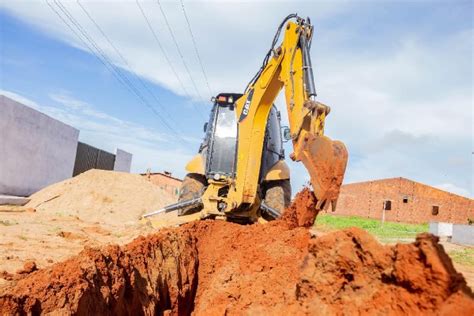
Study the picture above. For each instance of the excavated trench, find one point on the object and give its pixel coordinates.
(147, 276)
(216, 267)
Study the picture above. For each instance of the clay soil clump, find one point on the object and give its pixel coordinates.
(217, 268)
(302, 212)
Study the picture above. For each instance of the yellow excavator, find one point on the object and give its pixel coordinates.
(239, 173)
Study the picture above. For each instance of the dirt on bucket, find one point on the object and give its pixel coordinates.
(217, 268)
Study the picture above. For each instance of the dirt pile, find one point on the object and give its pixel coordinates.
(216, 267)
(101, 196)
(147, 276)
(349, 272)
(301, 213)
(93, 209)
(247, 268)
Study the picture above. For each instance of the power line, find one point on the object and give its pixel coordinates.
(99, 50)
(161, 47)
(115, 70)
(137, 77)
(104, 60)
(82, 40)
(195, 46)
(150, 27)
(179, 50)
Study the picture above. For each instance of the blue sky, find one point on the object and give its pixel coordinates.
(398, 76)
(35, 63)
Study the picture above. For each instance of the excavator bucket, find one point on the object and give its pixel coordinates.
(326, 162)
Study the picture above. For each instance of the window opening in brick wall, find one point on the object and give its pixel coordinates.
(387, 205)
(405, 200)
(435, 210)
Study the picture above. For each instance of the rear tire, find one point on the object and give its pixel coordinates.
(192, 187)
(277, 195)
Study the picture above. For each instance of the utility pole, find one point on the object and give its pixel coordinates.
(383, 212)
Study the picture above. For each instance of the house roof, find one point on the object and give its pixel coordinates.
(407, 180)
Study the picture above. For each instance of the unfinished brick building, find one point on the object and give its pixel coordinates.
(404, 200)
(165, 181)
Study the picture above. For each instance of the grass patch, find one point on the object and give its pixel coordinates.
(463, 256)
(388, 232)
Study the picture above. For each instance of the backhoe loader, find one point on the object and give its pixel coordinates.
(239, 173)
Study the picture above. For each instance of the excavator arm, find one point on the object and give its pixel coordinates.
(287, 66)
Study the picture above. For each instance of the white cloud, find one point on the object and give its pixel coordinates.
(453, 189)
(85, 108)
(403, 106)
(218, 28)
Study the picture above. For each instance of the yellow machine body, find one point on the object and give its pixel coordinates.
(324, 159)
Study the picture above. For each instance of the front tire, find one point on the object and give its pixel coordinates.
(192, 187)
(277, 195)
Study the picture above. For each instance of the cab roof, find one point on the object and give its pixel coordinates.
(226, 99)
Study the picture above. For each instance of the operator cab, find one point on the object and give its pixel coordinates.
(219, 147)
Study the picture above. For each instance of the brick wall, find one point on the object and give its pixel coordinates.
(410, 202)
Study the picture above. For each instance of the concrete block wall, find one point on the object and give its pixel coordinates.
(35, 149)
(441, 229)
(411, 202)
(123, 161)
(463, 234)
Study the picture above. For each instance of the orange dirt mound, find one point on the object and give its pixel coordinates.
(349, 272)
(216, 268)
(146, 276)
(302, 212)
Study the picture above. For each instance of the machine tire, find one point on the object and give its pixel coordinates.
(191, 187)
(278, 196)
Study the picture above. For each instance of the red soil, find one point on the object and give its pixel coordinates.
(147, 276)
(302, 212)
(216, 267)
(28, 267)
